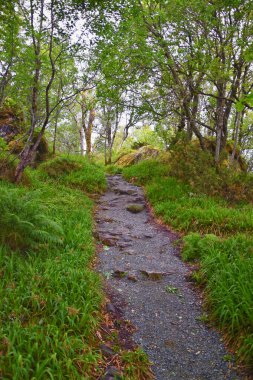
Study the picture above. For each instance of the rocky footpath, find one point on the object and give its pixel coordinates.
(143, 271)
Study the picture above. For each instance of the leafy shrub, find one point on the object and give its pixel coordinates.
(24, 222)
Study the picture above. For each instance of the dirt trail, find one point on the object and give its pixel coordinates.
(142, 268)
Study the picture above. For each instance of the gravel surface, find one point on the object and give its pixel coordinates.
(141, 265)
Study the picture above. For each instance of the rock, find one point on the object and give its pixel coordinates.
(152, 275)
(112, 373)
(95, 234)
(135, 208)
(141, 154)
(125, 191)
(138, 199)
(132, 277)
(123, 244)
(107, 240)
(9, 124)
(130, 252)
(110, 308)
(119, 273)
(106, 351)
(148, 235)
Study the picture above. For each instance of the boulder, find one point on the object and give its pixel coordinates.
(140, 154)
(9, 124)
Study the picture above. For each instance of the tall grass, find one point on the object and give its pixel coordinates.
(227, 267)
(218, 235)
(50, 297)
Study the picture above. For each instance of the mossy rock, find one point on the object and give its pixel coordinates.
(141, 154)
(16, 146)
(11, 123)
(135, 208)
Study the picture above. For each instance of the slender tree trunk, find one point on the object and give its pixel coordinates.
(105, 151)
(220, 123)
(82, 141)
(88, 132)
(109, 142)
(55, 131)
(238, 120)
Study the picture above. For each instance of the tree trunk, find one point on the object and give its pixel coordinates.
(82, 141)
(55, 132)
(220, 135)
(88, 132)
(238, 120)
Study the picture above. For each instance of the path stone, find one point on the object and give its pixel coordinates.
(166, 312)
(135, 208)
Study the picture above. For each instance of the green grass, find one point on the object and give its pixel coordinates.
(227, 267)
(77, 172)
(50, 296)
(219, 236)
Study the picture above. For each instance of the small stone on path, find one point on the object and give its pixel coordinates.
(135, 208)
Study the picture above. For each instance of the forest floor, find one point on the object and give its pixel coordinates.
(148, 281)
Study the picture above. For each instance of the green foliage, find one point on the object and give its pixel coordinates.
(137, 365)
(113, 169)
(145, 171)
(60, 166)
(141, 137)
(227, 266)
(50, 299)
(25, 223)
(3, 145)
(189, 211)
(76, 171)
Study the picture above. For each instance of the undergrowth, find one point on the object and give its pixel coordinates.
(50, 297)
(77, 172)
(218, 234)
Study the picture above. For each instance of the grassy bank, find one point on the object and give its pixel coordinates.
(50, 296)
(218, 235)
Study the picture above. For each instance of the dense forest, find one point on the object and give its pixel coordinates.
(158, 91)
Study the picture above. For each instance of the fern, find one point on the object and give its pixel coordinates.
(24, 223)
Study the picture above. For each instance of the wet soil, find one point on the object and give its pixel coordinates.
(142, 269)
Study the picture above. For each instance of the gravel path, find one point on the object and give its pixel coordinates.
(142, 268)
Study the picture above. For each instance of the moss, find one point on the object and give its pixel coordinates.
(16, 146)
(141, 154)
